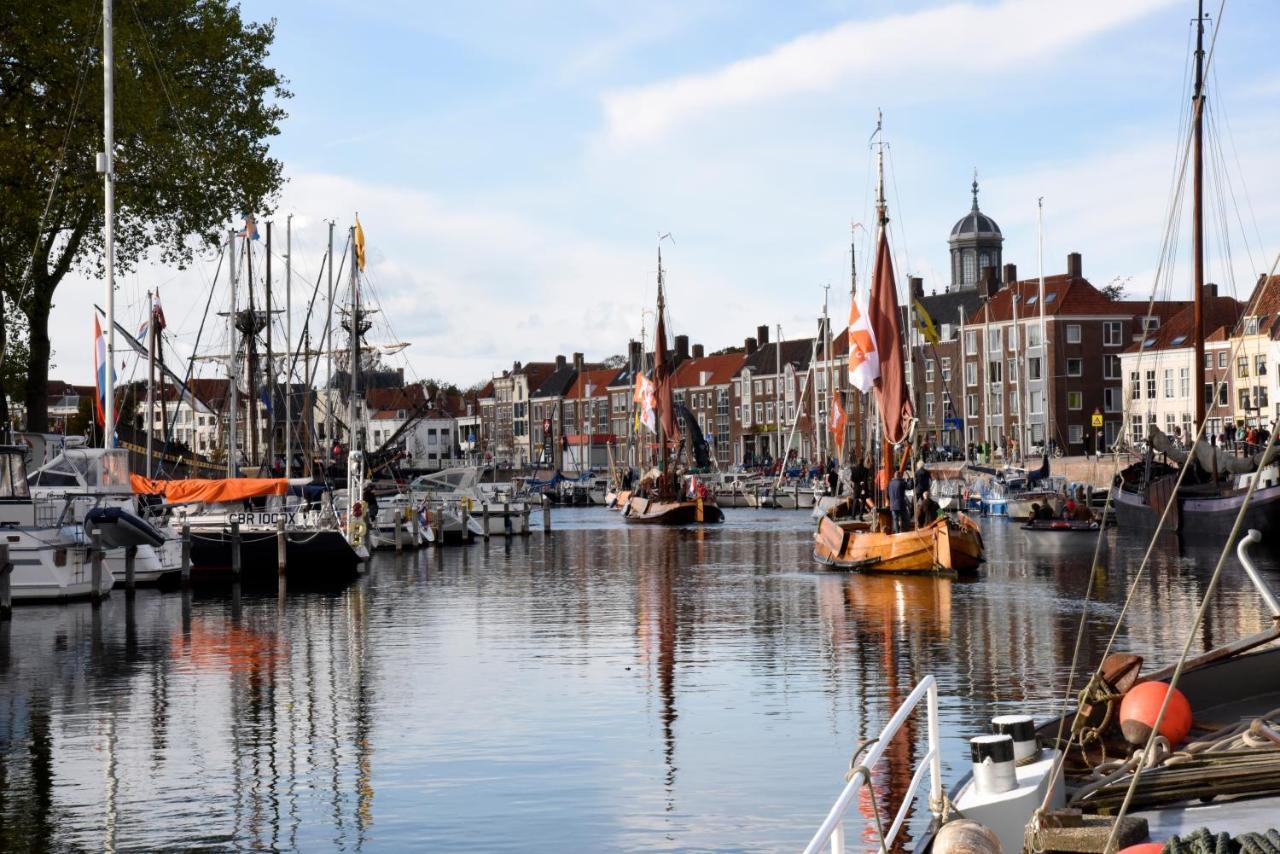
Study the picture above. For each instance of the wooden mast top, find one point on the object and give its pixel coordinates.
(1197, 214)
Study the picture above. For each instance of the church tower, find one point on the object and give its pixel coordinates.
(975, 243)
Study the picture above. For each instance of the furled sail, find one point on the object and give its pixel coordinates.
(693, 438)
(891, 387)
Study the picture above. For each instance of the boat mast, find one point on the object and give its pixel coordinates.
(882, 223)
(288, 346)
(1044, 349)
(149, 421)
(327, 338)
(233, 363)
(824, 440)
(657, 347)
(856, 416)
(777, 398)
(352, 409)
(106, 165)
(1197, 212)
(269, 375)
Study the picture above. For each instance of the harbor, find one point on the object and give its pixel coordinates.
(609, 687)
(551, 448)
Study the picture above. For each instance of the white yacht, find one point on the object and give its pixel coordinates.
(456, 494)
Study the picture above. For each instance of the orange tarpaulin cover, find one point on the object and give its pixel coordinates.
(200, 489)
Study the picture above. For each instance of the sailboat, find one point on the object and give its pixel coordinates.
(1204, 500)
(947, 545)
(661, 497)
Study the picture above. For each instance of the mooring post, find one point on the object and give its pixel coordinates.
(6, 583)
(506, 518)
(130, 556)
(235, 548)
(96, 563)
(546, 514)
(186, 551)
(282, 551)
(485, 510)
(399, 531)
(414, 529)
(524, 518)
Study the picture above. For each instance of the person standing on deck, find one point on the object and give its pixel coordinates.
(898, 504)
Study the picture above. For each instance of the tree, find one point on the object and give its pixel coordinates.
(1113, 291)
(195, 103)
(614, 362)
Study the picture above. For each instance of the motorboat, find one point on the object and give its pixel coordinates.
(460, 507)
(52, 559)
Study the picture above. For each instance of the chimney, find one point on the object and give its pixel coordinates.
(698, 351)
(515, 367)
(633, 348)
(560, 363)
(749, 345)
(682, 347)
(917, 287)
(1010, 274)
(1210, 291)
(577, 362)
(762, 335)
(990, 286)
(1074, 266)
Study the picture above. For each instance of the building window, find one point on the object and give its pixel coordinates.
(1184, 382)
(757, 387)
(970, 373)
(993, 372)
(1035, 402)
(1168, 382)
(768, 412)
(1151, 385)
(971, 405)
(1075, 367)
(1075, 434)
(1222, 358)
(1111, 399)
(1242, 366)
(1075, 400)
(997, 404)
(928, 405)
(1013, 371)
(971, 343)
(1243, 395)
(759, 413)
(1013, 339)
(1260, 396)
(946, 369)
(1033, 335)
(1073, 333)
(1261, 365)
(1111, 367)
(1222, 394)
(1112, 333)
(970, 273)
(1033, 368)
(928, 370)
(993, 340)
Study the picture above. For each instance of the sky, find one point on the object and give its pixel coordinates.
(513, 163)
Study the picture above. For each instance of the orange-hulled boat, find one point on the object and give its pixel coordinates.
(658, 511)
(947, 546)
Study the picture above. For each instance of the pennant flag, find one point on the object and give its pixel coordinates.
(926, 324)
(836, 421)
(864, 360)
(157, 312)
(886, 328)
(100, 371)
(359, 241)
(265, 395)
(648, 403)
(250, 228)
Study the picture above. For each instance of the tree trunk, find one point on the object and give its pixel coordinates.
(38, 368)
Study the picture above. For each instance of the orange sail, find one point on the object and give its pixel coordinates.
(198, 489)
(886, 325)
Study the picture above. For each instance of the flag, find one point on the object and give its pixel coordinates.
(864, 361)
(265, 395)
(250, 228)
(100, 371)
(648, 400)
(156, 311)
(359, 241)
(661, 379)
(886, 328)
(925, 322)
(836, 421)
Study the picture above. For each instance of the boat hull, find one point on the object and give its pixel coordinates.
(1196, 516)
(320, 558)
(649, 511)
(942, 548)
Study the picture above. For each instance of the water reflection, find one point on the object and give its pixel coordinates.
(608, 688)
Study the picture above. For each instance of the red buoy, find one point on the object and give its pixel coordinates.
(1139, 708)
(1144, 847)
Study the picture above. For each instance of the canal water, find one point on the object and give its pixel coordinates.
(606, 688)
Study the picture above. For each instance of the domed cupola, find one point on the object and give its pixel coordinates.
(975, 243)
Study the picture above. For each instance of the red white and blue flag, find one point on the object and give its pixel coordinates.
(100, 371)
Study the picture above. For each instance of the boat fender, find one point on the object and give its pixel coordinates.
(1022, 729)
(964, 836)
(1141, 706)
(1144, 848)
(993, 768)
(358, 530)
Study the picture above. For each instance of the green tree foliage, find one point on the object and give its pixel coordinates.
(195, 103)
(1113, 291)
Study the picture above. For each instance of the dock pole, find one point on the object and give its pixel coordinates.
(95, 552)
(235, 548)
(282, 551)
(186, 552)
(507, 527)
(524, 519)
(6, 583)
(399, 531)
(546, 515)
(130, 578)
(485, 506)
(414, 529)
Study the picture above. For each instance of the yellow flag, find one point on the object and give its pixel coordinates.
(927, 329)
(359, 245)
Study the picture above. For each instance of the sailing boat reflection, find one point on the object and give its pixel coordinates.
(896, 616)
(657, 625)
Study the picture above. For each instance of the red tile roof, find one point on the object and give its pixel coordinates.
(720, 370)
(407, 398)
(1220, 315)
(1066, 295)
(599, 381)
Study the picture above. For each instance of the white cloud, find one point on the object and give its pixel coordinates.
(920, 46)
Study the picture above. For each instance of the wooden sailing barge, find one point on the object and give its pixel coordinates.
(663, 497)
(944, 546)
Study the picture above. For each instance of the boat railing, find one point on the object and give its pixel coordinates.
(831, 835)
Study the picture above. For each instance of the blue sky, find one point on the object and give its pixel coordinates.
(512, 163)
